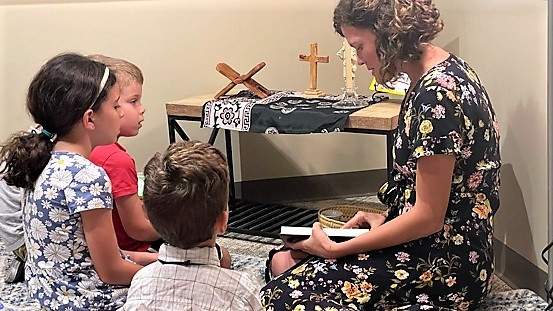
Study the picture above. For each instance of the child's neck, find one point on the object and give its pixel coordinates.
(74, 143)
(208, 243)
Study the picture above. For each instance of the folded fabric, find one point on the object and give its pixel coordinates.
(281, 113)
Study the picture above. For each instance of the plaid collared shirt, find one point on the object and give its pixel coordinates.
(191, 279)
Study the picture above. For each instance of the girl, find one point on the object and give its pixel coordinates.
(73, 260)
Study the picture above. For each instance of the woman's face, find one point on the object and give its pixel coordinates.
(364, 41)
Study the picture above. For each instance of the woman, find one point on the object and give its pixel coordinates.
(434, 249)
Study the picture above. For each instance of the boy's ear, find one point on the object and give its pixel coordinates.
(221, 222)
(88, 120)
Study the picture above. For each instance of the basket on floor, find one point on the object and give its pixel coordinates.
(337, 216)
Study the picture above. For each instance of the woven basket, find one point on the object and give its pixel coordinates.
(337, 216)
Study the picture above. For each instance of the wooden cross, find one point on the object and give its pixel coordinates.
(246, 79)
(313, 58)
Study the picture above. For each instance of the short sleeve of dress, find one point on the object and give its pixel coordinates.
(435, 118)
(90, 189)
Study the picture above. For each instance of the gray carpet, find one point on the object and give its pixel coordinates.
(249, 255)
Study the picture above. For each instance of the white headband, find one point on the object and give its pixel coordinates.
(102, 85)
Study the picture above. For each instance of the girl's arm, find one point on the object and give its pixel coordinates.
(141, 258)
(433, 185)
(134, 220)
(102, 245)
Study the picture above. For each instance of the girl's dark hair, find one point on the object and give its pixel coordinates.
(59, 95)
(400, 27)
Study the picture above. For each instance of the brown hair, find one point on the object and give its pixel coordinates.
(59, 95)
(400, 27)
(125, 71)
(185, 190)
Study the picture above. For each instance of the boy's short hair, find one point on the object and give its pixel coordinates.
(185, 190)
(125, 71)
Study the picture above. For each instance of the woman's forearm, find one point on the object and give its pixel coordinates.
(415, 224)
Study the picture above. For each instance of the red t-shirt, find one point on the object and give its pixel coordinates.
(121, 169)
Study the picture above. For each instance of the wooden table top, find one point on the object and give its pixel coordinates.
(381, 116)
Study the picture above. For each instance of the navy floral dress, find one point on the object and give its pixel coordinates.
(447, 112)
(59, 269)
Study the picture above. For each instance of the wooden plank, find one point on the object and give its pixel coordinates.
(380, 116)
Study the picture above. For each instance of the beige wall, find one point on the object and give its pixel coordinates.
(506, 42)
(178, 42)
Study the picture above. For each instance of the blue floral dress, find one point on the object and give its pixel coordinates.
(59, 268)
(447, 112)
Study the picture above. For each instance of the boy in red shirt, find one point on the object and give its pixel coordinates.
(133, 230)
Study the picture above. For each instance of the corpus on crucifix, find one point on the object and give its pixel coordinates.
(348, 55)
(349, 99)
(314, 59)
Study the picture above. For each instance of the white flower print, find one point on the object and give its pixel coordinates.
(58, 236)
(402, 257)
(458, 239)
(96, 203)
(69, 195)
(56, 252)
(55, 239)
(87, 174)
(64, 294)
(296, 294)
(58, 215)
(80, 201)
(51, 193)
(438, 112)
(38, 229)
(422, 298)
(473, 257)
(63, 162)
(96, 189)
(33, 250)
(61, 179)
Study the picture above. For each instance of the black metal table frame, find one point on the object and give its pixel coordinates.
(251, 224)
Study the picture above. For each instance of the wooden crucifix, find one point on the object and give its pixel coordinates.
(314, 59)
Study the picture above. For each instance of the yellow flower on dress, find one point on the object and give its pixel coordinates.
(458, 239)
(481, 197)
(483, 275)
(299, 308)
(419, 151)
(362, 298)
(408, 192)
(366, 287)
(482, 210)
(299, 270)
(426, 127)
(401, 274)
(330, 309)
(351, 290)
(293, 284)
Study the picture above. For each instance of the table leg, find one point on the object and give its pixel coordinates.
(213, 136)
(228, 143)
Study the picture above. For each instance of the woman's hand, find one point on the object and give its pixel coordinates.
(318, 244)
(362, 219)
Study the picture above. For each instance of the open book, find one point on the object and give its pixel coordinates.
(294, 234)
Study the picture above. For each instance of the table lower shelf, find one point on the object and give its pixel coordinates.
(265, 220)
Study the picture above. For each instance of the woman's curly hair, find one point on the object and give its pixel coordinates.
(400, 27)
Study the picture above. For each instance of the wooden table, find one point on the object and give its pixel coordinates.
(377, 119)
